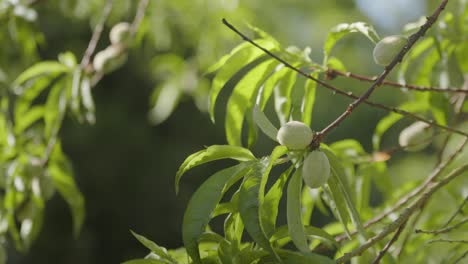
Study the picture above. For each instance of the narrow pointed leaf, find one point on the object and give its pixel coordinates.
(202, 204)
(159, 251)
(309, 101)
(233, 64)
(242, 98)
(294, 215)
(39, 69)
(282, 94)
(311, 231)
(291, 257)
(341, 186)
(215, 152)
(264, 124)
(272, 201)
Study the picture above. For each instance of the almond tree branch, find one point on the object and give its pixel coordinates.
(96, 34)
(318, 137)
(443, 230)
(411, 41)
(460, 208)
(332, 73)
(389, 244)
(139, 15)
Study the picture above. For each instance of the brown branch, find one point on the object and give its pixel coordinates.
(389, 244)
(318, 138)
(405, 215)
(448, 241)
(460, 208)
(96, 34)
(411, 41)
(332, 73)
(139, 15)
(461, 257)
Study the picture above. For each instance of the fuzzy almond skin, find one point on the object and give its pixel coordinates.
(316, 169)
(109, 59)
(120, 33)
(387, 48)
(416, 137)
(295, 135)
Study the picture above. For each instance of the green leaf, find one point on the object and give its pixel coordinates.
(215, 152)
(144, 261)
(388, 121)
(202, 204)
(87, 99)
(291, 257)
(164, 100)
(62, 177)
(341, 30)
(417, 50)
(251, 199)
(242, 98)
(39, 69)
(272, 200)
(28, 119)
(294, 215)
(237, 61)
(267, 88)
(283, 96)
(314, 232)
(307, 204)
(309, 100)
(159, 251)
(339, 187)
(264, 124)
(55, 107)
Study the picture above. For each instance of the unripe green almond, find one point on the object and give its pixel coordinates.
(120, 33)
(110, 59)
(416, 136)
(387, 48)
(295, 135)
(316, 169)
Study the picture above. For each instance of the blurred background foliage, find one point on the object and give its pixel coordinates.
(124, 164)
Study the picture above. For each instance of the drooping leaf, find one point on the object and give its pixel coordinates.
(294, 214)
(272, 200)
(264, 124)
(341, 30)
(267, 88)
(291, 257)
(55, 107)
(242, 99)
(202, 204)
(30, 117)
(39, 69)
(154, 248)
(215, 152)
(87, 99)
(62, 177)
(339, 187)
(307, 205)
(233, 64)
(282, 94)
(311, 231)
(164, 100)
(251, 199)
(308, 101)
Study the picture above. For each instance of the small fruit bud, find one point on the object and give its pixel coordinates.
(387, 48)
(120, 33)
(109, 59)
(295, 135)
(316, 169)
(416, 136)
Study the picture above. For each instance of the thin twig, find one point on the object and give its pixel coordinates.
(331, 73)
(139, 15)
(411, 41)
(459, 209)
(389, 244)
(405, 215)
(446, 240)
(415, 192)
(443, 230)
(461, 257)
(407, 236)
(96, 34)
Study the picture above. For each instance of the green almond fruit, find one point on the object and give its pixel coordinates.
(110, 59)
(295, 135)
(416, 137)
(387, 48)
(316, 169)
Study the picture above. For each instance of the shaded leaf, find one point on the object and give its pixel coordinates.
(294, 214)
(264, 124)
